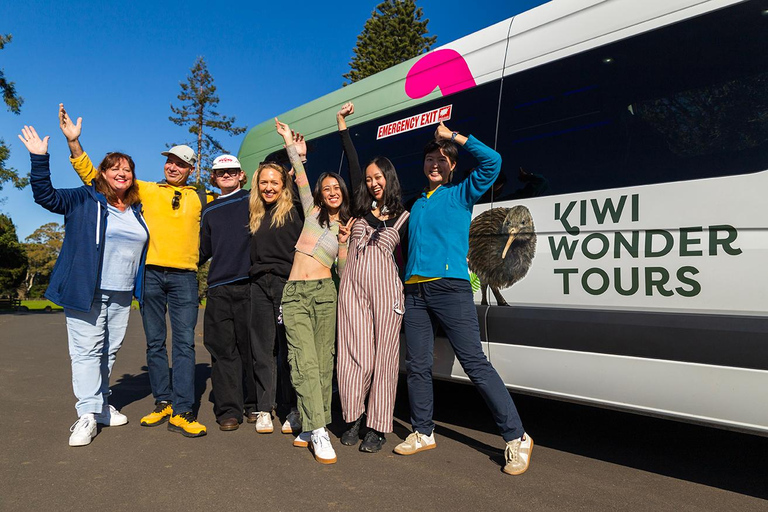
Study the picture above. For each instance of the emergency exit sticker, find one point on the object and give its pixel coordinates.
(414, 122)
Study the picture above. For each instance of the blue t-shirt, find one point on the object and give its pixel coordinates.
(124, 241)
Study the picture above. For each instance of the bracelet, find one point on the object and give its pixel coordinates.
(453, 136)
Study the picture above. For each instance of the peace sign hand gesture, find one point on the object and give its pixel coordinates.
(345, 230)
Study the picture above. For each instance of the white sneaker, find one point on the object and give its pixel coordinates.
(415, 443)
(83, 430)
(264, 423)
(292, 422)
(321, 447)
(302, 440)
(111, 417)
(517, 455)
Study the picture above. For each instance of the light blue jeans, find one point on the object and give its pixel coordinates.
(94, 339)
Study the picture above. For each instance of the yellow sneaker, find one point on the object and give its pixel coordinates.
(160, 415)
(186, 425)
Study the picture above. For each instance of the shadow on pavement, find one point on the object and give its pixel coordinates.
(718, 458)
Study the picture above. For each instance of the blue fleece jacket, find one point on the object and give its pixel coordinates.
(439, 224)
(77, 272)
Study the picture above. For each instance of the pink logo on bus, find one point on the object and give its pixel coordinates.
(445, 69)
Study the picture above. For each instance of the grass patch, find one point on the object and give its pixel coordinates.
(41, 304)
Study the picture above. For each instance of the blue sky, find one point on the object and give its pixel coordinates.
(119, 64)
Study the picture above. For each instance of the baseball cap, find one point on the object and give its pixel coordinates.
(186, 153)
(226, 162)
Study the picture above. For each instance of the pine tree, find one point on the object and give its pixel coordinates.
(197, 110)
(13, 259)
(13, 101)
(393, 34)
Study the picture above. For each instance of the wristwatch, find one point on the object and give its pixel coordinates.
(453, 136)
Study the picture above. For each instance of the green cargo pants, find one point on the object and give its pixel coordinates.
(309, 315)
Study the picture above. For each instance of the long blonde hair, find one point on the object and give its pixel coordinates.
(284, 200)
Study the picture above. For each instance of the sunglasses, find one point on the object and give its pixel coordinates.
(176, 200)
(221, 172)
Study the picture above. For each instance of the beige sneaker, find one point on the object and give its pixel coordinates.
(518, 455)
(264, 423)
(415, 443)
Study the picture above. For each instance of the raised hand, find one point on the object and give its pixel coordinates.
(344, 231)
(442, 132)
(285, 131)
(300, 144)
(346, 109)
(32, 141)
(70, 130)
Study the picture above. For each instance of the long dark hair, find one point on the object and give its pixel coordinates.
(344, 212)
(102, 187)
(392, 200)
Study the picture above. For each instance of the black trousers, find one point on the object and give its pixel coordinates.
(269, 347)
(225, 335)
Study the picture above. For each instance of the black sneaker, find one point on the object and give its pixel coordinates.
(373, 442)
(352, 435)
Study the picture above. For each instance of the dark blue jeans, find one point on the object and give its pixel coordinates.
(176, 292)
(450, 302)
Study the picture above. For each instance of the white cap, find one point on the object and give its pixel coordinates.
(186, 153)
(226, 162)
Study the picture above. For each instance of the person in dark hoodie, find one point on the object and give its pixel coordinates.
(225, 238)
(99, 270)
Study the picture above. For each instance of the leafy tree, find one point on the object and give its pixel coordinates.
(13, 101)
(393, 34)
(43, 248)
(13, 260)
(198, 111)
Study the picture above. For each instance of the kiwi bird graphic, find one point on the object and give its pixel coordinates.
(502, 244)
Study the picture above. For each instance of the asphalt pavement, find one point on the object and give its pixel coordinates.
(584, 458)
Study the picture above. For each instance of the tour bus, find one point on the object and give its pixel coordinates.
(635, 136)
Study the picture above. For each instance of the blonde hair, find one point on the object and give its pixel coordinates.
(284, 200)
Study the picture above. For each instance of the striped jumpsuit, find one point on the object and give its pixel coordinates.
(370, 313)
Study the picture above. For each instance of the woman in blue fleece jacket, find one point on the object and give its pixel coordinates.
(99, 269)
(437, 287)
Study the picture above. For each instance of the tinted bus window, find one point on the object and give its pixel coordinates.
(684, 102)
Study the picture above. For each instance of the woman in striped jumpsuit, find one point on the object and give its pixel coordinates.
(370, 298)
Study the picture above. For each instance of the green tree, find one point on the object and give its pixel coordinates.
(13, 260)
(13, 101)
(43, 248)
(393, 34)
(198, 111)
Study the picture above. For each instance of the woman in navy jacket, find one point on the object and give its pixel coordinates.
(98, 271)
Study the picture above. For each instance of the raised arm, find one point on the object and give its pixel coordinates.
(355, 172)
(79, 158)
(55, 201)
(302, 182)
(479, 181)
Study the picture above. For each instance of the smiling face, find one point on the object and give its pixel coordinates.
(176, 171)
(119, 177)
(270, 185)
(375, 181)
(437, 168)
(331, 191)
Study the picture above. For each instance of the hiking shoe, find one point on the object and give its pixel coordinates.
(372, 442)
(322, 448)
(302, 440)
(292, 422)
(186, 425)
(352, 435)
(264, 423)
(160, 415)
(518, 455)
(415, 443)
(111, 417)
(83, 430)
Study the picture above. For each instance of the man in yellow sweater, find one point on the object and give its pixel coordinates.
(171, 210)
